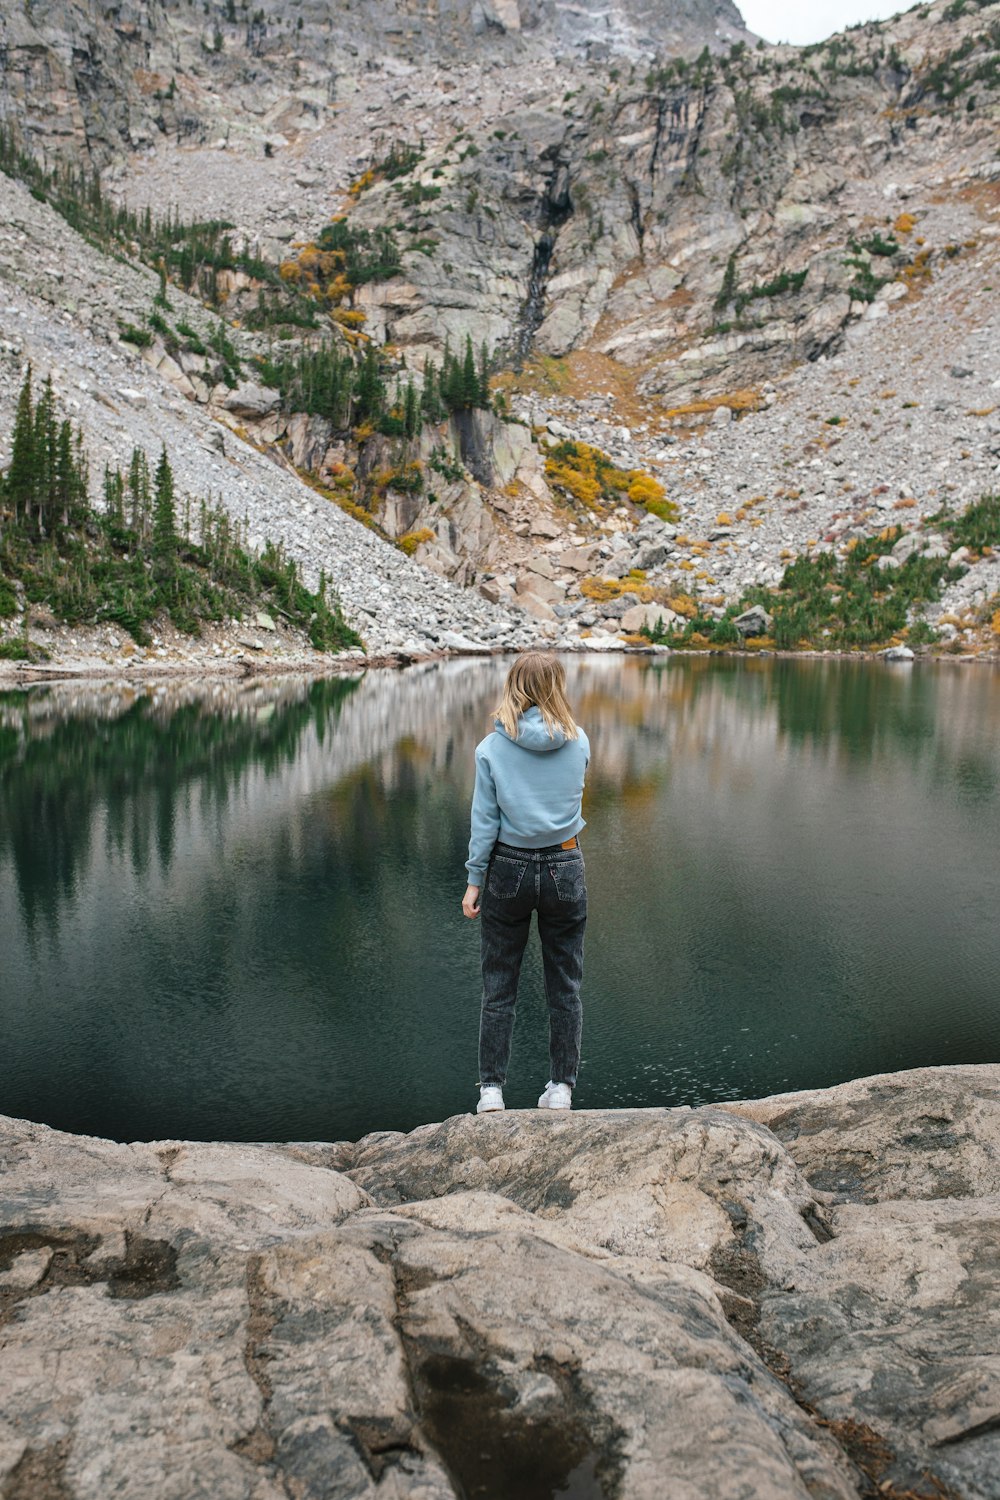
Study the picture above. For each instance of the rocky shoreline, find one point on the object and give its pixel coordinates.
(786, 1297)
(308, 663)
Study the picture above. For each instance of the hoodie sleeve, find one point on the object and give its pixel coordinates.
(485, 821)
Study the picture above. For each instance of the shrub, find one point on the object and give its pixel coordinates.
(413, 539)
(876, 245)
(19, 648)
(590, 477)
(129, 334)
(408, 480)
(785, 281)
(979, 525)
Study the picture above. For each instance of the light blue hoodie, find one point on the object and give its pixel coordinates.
(528, 790)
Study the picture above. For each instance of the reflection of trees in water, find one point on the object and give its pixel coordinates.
(69, 764)
(87, 767)
(944, 718)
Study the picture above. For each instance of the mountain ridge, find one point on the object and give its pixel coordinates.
(756, 237)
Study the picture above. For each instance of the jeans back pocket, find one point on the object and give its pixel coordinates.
(569, 879)
(505, 876)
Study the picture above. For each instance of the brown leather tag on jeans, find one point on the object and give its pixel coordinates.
(569, 844)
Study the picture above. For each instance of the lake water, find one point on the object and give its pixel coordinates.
(233, 911)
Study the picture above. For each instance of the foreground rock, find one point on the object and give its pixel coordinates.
(786, 1298)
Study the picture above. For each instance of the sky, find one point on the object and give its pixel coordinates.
(813, 20)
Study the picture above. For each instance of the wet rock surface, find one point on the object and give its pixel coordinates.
(781, 1298)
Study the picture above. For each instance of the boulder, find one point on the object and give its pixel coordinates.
(455, 640)
(897, 653)
(767, 1299)
(539, 586)
(653, 556)
(578, 559)
(754, 621)
(614, 609)
(544, 526)
(647, 615)
(251, 400)
(538, 563)
(535, 605)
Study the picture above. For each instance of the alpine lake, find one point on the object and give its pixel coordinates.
(231, 909)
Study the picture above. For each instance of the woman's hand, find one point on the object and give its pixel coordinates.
(470, 901)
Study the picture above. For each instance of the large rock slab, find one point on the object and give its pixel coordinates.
(892, 1327)
(769, 1300)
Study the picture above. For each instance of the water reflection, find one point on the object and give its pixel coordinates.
(233, 911)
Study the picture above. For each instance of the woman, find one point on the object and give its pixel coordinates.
(524, 856)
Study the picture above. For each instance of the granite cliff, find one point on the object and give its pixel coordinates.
(774, 1300)
(755, 278)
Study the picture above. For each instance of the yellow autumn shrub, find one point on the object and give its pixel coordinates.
(683, 604)
(589, 476)
(574, 481)
(411, 540)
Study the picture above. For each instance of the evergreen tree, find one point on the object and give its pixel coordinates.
(411, 410)
(20, 481)
(451, 380)
(65, 475)
(46, 458)
(138, 491)
(114, 497)
(470, 379)
(370, 389)
(164, 519)
(430, 398)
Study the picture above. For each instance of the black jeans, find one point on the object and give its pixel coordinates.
(518, 882)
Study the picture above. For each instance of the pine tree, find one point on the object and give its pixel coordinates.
(451, 380)
(114, 497)
(430, 400)
(370, 387)
(138, 490)
(164, 520)
(470, 380)
(20, 482)
(46, 459)
(65, 475)
(411, 410)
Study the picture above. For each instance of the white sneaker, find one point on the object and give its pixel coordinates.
(490, 1098)
(556, 1096)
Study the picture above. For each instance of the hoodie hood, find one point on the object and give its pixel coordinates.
(532, 733)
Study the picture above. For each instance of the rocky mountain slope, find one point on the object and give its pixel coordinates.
(761, 278)
(82, 79)
(769, 1300)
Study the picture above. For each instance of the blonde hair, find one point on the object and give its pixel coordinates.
(538, 679)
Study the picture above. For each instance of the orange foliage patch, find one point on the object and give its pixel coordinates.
(411, 540)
